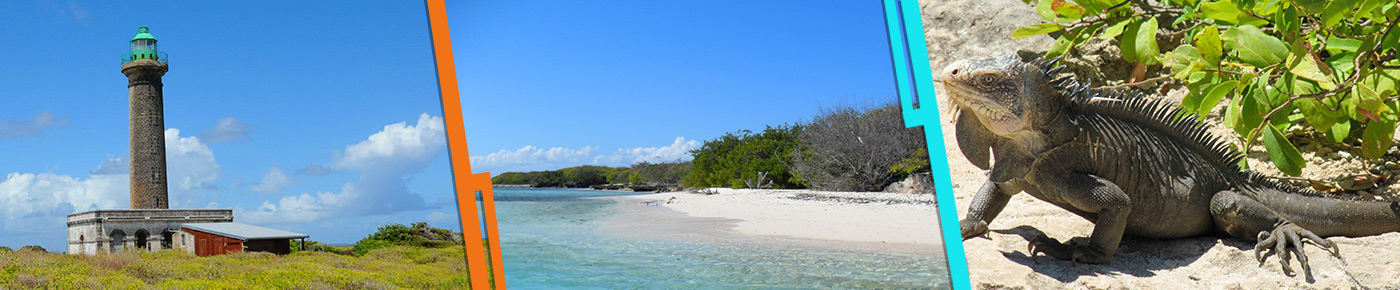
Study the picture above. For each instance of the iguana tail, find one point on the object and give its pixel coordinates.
(1328, 215)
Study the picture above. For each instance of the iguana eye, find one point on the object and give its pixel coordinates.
(988, 79)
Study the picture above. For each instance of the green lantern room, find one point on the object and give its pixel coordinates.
(143, 47)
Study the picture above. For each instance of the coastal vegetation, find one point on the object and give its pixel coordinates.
(588, 175)
(412, 261)
(844, 148)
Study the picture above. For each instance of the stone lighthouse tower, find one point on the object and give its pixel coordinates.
(143, 66)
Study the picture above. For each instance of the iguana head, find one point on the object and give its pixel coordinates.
(1008, 96)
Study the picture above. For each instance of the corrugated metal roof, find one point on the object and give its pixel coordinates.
(243, 231)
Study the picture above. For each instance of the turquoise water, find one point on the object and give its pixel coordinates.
(553, 239)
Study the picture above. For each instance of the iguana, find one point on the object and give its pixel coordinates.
(1131, 165)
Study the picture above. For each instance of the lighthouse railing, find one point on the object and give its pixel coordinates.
(143, 55)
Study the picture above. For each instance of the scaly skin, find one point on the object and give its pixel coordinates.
(1130, 167)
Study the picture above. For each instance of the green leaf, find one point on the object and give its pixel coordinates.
(1254, 47)
(1146, 42)
(1305, 67)
(1336, 11)
(1340, 131)
(1092, 7)
(1383, 81)
(1366, 8)
(1342, 64)
(1214, 95)
(1287, 23)
(1316, 114)
(1182, 59)
(1035, 29)
(1260, 89)
(1209, 45)
(1067, 10)
(1367, 99)
(1349, 106)
(1378, 137)
(1232, 113)
(1313, 6)
(1061, 46)
(1251, 114)
(1192, 100)
(1227, 11)
(1343, 44)
(1284, 155)
(1246, 78)
(1127, 43)
(1114, 30)
(1044, 8)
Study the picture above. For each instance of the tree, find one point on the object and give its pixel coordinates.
(845, 149)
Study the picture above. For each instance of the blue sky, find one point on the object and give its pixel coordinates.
(553, 84)
(315, 118)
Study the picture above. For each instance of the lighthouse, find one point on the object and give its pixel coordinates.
(144, 65)
(150, 224)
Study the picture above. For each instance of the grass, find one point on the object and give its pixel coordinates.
(394, 267)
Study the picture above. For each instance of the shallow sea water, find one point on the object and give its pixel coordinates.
(559, 239)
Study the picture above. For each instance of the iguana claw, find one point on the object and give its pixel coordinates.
(1288, 240)
(1074, 251)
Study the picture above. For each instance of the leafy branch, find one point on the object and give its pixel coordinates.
(1274, 63)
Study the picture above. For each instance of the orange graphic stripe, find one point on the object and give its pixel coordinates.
(466, 183)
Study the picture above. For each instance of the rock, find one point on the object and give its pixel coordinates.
(959, 29)
(1001, 262)
(915, 183)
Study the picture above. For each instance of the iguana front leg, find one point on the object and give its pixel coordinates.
(1244, 217)
(1087, 193)
(988, 203)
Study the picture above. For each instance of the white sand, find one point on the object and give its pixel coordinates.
(845, 216)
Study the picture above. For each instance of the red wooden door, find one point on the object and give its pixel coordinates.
(217, 246)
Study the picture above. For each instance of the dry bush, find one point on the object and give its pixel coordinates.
(848, 149)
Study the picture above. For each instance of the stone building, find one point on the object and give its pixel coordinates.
(116, 230)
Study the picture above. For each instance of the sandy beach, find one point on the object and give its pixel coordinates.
(864, 217)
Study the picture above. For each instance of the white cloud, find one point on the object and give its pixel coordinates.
(37, 203)
(678, 150)
(113, 165)
(532, 158)
(385, 160)
(32, 127)
(191, 169)
(397, 148)
(272, 182)
(227, 130)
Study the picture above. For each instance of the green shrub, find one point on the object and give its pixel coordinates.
(418, 235)
(731, 159)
